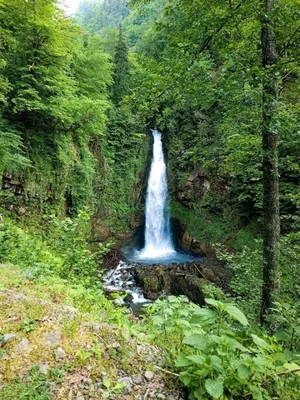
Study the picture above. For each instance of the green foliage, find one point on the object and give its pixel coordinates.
(121, 70)
(111, 388)
(216, 355)
(70, 239)
(65, 251)
(55, 99)
(246, 264)
(284, 323)
(29, 325)
(97, 15)
(35, 386)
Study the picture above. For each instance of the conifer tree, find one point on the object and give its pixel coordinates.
(121, 70)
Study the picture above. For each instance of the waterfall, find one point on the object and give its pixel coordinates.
(158, 241)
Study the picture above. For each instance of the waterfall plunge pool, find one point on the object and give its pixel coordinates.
(159, 257)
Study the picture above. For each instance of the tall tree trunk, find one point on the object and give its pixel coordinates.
(271, 216)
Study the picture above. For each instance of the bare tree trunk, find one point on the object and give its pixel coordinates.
(271, 216)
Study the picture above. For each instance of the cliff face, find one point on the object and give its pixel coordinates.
(116, 195)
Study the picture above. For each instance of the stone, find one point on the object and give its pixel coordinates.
(23, 346)
(209, 274)
(8, 337)
(161, 396)
(181, 279)
(149, 375)
(44, 368)
(21, 211)
(59, 354)
(79, 396)
(137, 380)
(150, 358)
(52, 339)
(127, 381)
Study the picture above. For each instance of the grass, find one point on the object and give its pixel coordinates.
(96, 337)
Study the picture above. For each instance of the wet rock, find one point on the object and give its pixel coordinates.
(181, 279)
(149, 375)
(8, 337)
(52, 339)
(59, 354)
(23, 346)
(209, 274)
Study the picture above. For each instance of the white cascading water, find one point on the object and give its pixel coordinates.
(158, 241)
(159, 247)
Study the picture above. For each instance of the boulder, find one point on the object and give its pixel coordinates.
(180, 279)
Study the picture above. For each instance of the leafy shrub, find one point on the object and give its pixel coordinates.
(70, 238)
(217, 355)
(65, 251)
(284, 323)
(20, 248)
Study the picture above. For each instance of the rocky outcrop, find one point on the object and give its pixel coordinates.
(181, 279)
(198, 183)
(189, 243)
(13, 185)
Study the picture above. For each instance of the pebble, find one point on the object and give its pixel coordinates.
(79, 396)
(52, 339)
(59, 354)
(44, 368)
(149, 375)
(8, 337)
(128, 382)
(138, 379)
(150, 359)
(24, 345)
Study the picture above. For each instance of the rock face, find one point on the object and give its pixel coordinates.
(196, 185)
(181, 279)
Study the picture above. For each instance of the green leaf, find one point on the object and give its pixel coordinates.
(236, 314)
(213, 302)
(256, 392)
(297, 329)
(243, 371)
(196, 359)
(182, 361)
(158, 320)
(216, 363)
(204, 316)
(259, 341)
(198, 341)
(214, 388)
(282, 335)
(119, 386)
(106, 382)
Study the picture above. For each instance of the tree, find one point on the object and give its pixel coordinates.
(271, 216)
(121, 70)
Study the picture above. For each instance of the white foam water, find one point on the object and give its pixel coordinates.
(158, 239)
